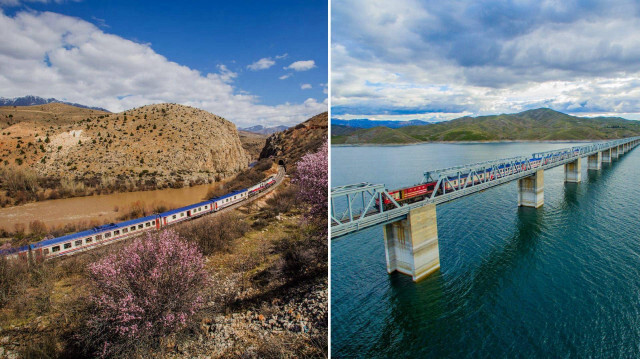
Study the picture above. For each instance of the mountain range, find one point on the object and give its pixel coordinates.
(264, 130)
(36, 100)
(366, 123)
(541, 124)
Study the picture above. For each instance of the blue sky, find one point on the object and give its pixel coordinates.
(437, 60)
(209, 45)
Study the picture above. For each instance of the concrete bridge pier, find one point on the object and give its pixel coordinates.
(622, 149)
(614, 153)
(594, 162)
(572, 171)
(411, 245)
(531, 190)
(606, 156)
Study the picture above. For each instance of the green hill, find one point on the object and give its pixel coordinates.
(375, 135)
(539, 124)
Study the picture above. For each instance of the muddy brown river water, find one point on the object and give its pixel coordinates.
(101, 207)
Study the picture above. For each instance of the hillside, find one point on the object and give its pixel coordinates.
(297, 141)
(46, 115)
(378, 135)
(252, 143)
(539, 124)
(151, 146)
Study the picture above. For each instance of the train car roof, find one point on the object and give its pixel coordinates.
(92, 231)
(7, 251)
(185, 208)
(229, 194)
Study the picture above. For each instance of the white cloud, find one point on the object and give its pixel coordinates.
(441, 58)
(10, 3)
(301, 65)
(53, 55)
(283, 56)
(285, 76)
(305, 86)
(262, 64)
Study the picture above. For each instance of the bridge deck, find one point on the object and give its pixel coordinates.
(450, 184)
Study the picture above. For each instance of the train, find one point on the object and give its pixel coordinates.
(112, 232)
(421, 191)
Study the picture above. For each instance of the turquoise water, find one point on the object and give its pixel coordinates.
(560, 281)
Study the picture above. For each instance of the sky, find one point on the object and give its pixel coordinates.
(252, 62)
(437, 60)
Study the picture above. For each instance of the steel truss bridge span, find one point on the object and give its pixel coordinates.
(359, 206)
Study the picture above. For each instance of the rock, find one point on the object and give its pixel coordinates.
(5, 340)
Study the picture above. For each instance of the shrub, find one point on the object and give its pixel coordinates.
(37, 227)
(312, 178)
(143, 293)
(283, 201)
(215, 233)
(13, 279)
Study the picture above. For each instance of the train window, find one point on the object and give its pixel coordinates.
(174, 216)
(45, 251)
(133, 228)
(234, 197)
(205, 207)
(107, 235)
(153, 222)
(181, 214)
(55, 249)
(125, 230)
(140, 226)
(115, 233)
(98, 237)
(147, 224)
(78, 243)
(67, 245)
(88, 240)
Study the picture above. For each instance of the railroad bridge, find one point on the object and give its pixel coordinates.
(410, 229)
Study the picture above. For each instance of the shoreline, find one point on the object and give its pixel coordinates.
(458, 142)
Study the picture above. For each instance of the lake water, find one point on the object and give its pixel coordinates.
(559, 281)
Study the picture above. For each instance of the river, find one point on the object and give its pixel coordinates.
(559, 281)
(104, 208)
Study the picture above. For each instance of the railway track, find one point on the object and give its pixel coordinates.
(98, 244)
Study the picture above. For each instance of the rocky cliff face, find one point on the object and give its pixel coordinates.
(297, 141)
(165, 143)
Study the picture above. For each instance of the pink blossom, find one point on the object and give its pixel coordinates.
(313, 179)
(147, 290)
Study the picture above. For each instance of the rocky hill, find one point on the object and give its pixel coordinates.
(297, 141)
(252, 143)
(159, 145)
(534, 125)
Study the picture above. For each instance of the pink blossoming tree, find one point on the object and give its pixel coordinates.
(313, 179)
(146, 291)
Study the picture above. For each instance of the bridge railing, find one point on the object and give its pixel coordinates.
(358, 200)
(358, 206)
